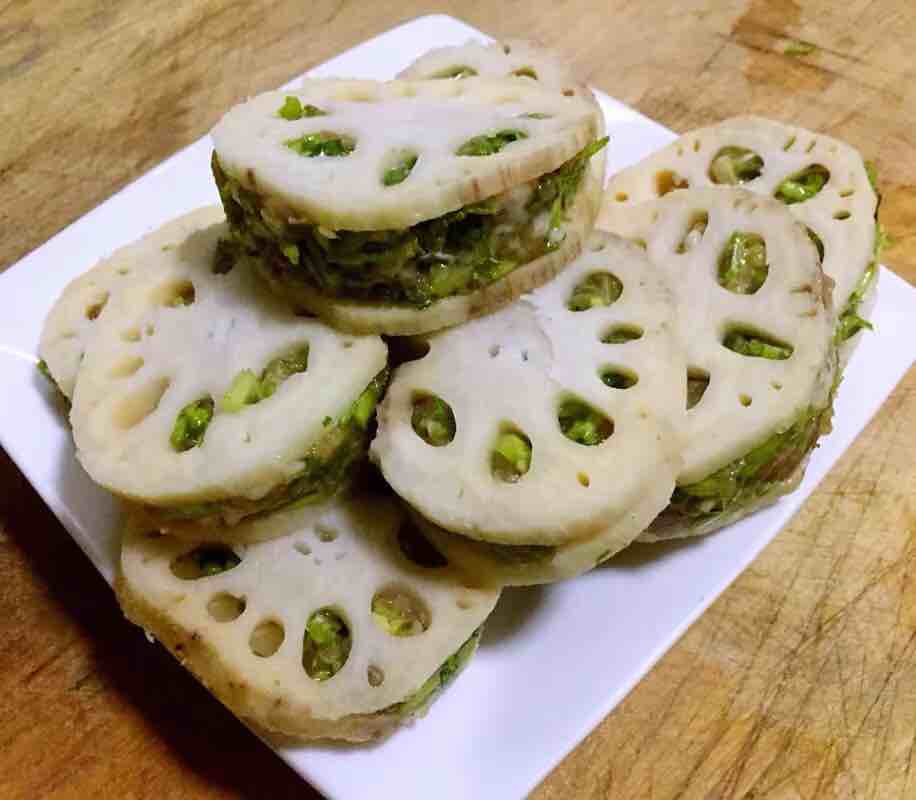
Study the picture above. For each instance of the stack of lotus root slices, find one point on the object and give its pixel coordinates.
(421, 352)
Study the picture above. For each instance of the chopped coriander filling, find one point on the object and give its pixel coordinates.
(743, 264)
(594, 291)
(191, 424)
(583, 424)
(433, 420)
(326, 644)
(803, 185)
(457, 253)
(734, 165)
(292, 109)
(323, 143)
(850, 322)
(489, 144)
(765, 468)
(399, 172)
(511, 457)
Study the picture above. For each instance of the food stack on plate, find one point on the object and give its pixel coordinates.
(548, 391)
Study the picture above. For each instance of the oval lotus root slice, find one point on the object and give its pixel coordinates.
(342, 186)
(338, 626)
(754, 319)
(204, 398)
(71, 320)
(548, 422)
(822, 181)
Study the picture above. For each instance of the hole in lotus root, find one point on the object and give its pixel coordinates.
(397, 166)
(696, 227)
(325, 533)
(149, 330)
(843, 214)
(417, 548)
(457, 71)
(746, 341)
(494, 350)
(399, 612)
(595, 291)
(204, 562)
(742, 266)
(584, 480)
(525, 72)
(266, 638)
(776, 385)
(735, 165)
(621, 334)
(847, 192)
(802, 185)
(621, 197)
(302, 548)
(93, 310)
(175, 294)
(568, 92)
(225, 607)
(583, 424)
(126, 367)
(667, 181)
(464, 603)
(326, 644)
(745, 400)
(697, 384)
(816, 241)
(789, 142)
(510, 458)
(138, 405)
(402, 349)
(131, 335)
(375, 676)
(618, 377)
(433, 420)
(696, 145)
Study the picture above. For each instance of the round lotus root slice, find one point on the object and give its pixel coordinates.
(822, 181)
(71, 321)
(408, 206)
(205, 399)
(343, 624)
(754, 317)
(549, 423)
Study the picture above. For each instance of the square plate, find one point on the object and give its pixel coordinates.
(492, 735)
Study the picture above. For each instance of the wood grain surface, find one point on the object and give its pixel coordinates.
(800, 682)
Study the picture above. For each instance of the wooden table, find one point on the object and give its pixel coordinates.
(800, 682)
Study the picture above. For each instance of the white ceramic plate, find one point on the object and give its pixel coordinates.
(554, 661)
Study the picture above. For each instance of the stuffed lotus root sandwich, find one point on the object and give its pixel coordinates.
(822, 181)
(339, 623)
(538, 441)
(754, 317)
(408, 206)
(205, 399)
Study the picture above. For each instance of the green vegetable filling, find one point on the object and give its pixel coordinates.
(511, 457)
(433, 420)
(583, 424)
(437, 682)
(618, 378)
(755, 345)
(457, 253)
(697, 384)
(490, 144)
(734, 165)
(398, 613)
(799, 47)
(743, 264)
(850, 323)
(595, 290)
(326, 644)
(399, 172)
(205, 561)
(802, 185)
(248, 389)
(191, 425)
(292, 110)
(751, 476)
(621, 334)
(525, 72)
(323, 143)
